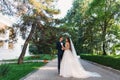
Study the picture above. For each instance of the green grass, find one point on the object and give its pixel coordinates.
(18, 71)
(111, 61)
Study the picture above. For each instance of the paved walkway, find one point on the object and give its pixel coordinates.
(49, 72)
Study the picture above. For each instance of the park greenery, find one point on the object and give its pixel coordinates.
(94, 25)
(13, 71)
(97, 24)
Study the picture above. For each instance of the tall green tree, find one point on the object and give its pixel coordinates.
(41, 15)
(94, 20)
(33, 14)
(105, 12)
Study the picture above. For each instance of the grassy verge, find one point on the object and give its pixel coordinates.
(18, 71)
(111, 61)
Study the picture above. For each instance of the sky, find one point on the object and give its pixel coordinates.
(62, 5)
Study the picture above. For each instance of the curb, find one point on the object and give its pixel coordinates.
(104, 67)
(7, 62)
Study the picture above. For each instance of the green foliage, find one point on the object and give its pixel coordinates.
(44, 40)
(4, 69)
(41, 57)
(18, 71)
(94, 20)
(111, 61)
(33, 49)
(47, 57)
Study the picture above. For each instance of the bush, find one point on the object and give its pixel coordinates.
(41, 57)
(4, 69)
(33, 49)
(47, 57)
(110, 61)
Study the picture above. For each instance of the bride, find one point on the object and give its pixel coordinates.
(70, 64)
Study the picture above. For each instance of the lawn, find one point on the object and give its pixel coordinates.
(111, 61)
(18, 71)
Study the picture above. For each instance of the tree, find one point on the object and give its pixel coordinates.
(105, 11)
(94, 20)
(32, 14)
(39, 44)
(41, 15)
(77, 19)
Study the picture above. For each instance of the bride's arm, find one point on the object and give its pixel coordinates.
(67, 46)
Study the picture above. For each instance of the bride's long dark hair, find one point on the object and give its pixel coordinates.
(69, 42)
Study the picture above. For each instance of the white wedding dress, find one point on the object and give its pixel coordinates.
(71, 66)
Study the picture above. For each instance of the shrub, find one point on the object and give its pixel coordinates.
(33, 49)
(110, 61)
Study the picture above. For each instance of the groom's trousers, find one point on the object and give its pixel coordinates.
(59, 61)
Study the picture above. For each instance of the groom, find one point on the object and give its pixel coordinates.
(59, 45)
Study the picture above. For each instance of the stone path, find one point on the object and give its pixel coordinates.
(49, 72)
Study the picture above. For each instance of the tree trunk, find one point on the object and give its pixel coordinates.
(20, 59)
(104, 40)
(104, 52)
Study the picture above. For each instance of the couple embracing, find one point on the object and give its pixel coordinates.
(68, 62)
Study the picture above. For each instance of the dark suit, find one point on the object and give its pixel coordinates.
(60, 54)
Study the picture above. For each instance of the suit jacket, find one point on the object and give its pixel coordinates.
(59, 48)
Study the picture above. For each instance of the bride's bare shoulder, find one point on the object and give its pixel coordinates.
(67, 43)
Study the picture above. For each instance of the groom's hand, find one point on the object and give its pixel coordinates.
(63, 48)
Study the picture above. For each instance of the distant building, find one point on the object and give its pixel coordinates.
(9, 49)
